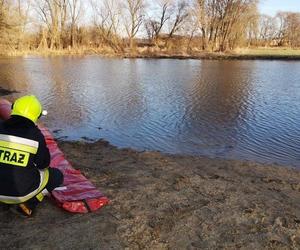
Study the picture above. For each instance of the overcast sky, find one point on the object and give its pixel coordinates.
(271, 7)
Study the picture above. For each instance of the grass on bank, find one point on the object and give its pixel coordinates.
(268, 51)
(261, 52)
(59, 52)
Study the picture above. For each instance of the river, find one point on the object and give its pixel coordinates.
(248, 110)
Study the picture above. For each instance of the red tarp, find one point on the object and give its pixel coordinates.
(78, 194)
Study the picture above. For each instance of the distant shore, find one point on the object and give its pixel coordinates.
(219, 56)
(240, 54)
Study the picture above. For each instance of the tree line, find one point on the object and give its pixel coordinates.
(125, 25)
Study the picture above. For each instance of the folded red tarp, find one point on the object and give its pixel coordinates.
(78, 194)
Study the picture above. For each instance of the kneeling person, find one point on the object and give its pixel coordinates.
(24, 158)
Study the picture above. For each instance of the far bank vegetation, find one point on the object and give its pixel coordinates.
(142, 27)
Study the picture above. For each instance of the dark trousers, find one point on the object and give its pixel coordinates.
(56, 179)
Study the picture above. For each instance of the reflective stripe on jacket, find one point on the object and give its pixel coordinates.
(44, 177)
(23, 157)
(15, 150)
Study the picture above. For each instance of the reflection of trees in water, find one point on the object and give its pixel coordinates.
(220, 100)
(133, 94)
(13, 75)
(91, 90)
(63, 97)
(124, 95)
(229, 91)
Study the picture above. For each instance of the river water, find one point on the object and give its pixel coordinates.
(247, 110)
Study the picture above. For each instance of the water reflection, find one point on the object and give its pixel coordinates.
(219, 100)
(231, 109)
(13, 75)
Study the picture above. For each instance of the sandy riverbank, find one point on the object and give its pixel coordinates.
(167, 202)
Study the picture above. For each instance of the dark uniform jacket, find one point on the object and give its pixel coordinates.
(19, 174)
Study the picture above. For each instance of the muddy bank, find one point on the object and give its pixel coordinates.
(216, 56)
(167, 202)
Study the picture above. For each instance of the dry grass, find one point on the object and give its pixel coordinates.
(154, 52)
(105, 51)
(268, 51)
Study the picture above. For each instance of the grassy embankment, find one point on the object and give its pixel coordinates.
(244, 53)
(269, 52)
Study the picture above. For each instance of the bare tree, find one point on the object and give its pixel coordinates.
(224, 22)
(282, 28)
(202, 20)
(252, 30)
(13, 20)
(289, 28)
(134, 15)
(75, 13)
(214, 25)
(23, 8)
(267, 29)
(191, 28)
(55, 14)
(293, 29)
(154, 25)
(107, 18)
(4, 24)
(181, 13)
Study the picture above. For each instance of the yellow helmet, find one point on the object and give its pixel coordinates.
(27, 106)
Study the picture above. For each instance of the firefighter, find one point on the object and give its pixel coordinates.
(24, 158)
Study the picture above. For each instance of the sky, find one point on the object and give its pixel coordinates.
(271, 7)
